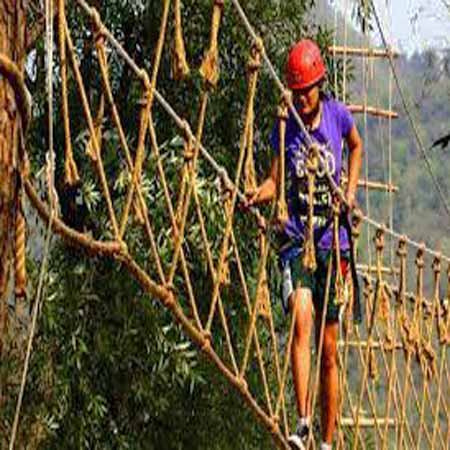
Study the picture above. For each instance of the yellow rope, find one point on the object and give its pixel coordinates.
(70, 168)
(282, 212)
(210, 65)
(180, 67)
(312, 165)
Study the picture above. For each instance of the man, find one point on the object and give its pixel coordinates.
(329, 123)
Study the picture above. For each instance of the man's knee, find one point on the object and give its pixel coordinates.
(301, 306)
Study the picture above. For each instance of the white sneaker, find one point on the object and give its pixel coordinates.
(298, 439)
(296, 442)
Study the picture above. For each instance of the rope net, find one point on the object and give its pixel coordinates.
(192, 258)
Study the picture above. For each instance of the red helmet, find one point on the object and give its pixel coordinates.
(305, 66)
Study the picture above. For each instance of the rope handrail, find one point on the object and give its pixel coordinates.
(23, 98)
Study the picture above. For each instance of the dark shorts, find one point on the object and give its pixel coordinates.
(294, 275)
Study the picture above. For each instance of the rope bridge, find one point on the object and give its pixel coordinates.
(401, 348)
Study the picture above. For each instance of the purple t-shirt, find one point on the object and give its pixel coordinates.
(335, 124)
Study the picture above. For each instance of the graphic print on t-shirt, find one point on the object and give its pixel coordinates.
(298, 188)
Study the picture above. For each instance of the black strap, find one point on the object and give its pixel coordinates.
(357, 314)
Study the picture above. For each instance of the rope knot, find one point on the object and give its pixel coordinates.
(336, 206)
(379, 239)
(312, 162)
(258, 45)
(286, 97)
(188, 150)
(254, 64)
(402, 250)
(170, 299)
(436, 264)
(97, 24)
(243, 384)
(419, 261)
(206, 344)
(356, 225)
(282, 111)
(274, 425)
(143, 75)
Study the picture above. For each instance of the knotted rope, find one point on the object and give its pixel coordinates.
(210, 65)
(312, 166)
(180, 67)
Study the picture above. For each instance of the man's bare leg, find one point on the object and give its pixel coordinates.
(329, 380)
(301, 352)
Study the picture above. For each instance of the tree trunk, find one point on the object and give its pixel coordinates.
(12, 46)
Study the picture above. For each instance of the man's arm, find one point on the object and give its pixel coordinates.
(354, 144)
(267, 191)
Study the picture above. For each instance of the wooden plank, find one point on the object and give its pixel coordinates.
(374, 185)
(339, 50)
(373, 269)
(372, 111)
(376, 345)
(368, 422)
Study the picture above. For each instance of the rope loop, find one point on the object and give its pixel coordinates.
(11, 72)
(209, 68)
(258, 45)
(180, 66)
(254, 62)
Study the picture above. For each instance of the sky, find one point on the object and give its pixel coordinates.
(418, 24)
(413, 25)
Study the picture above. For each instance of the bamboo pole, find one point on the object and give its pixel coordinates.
(374, 185)
(372, 111)
(340, 50)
